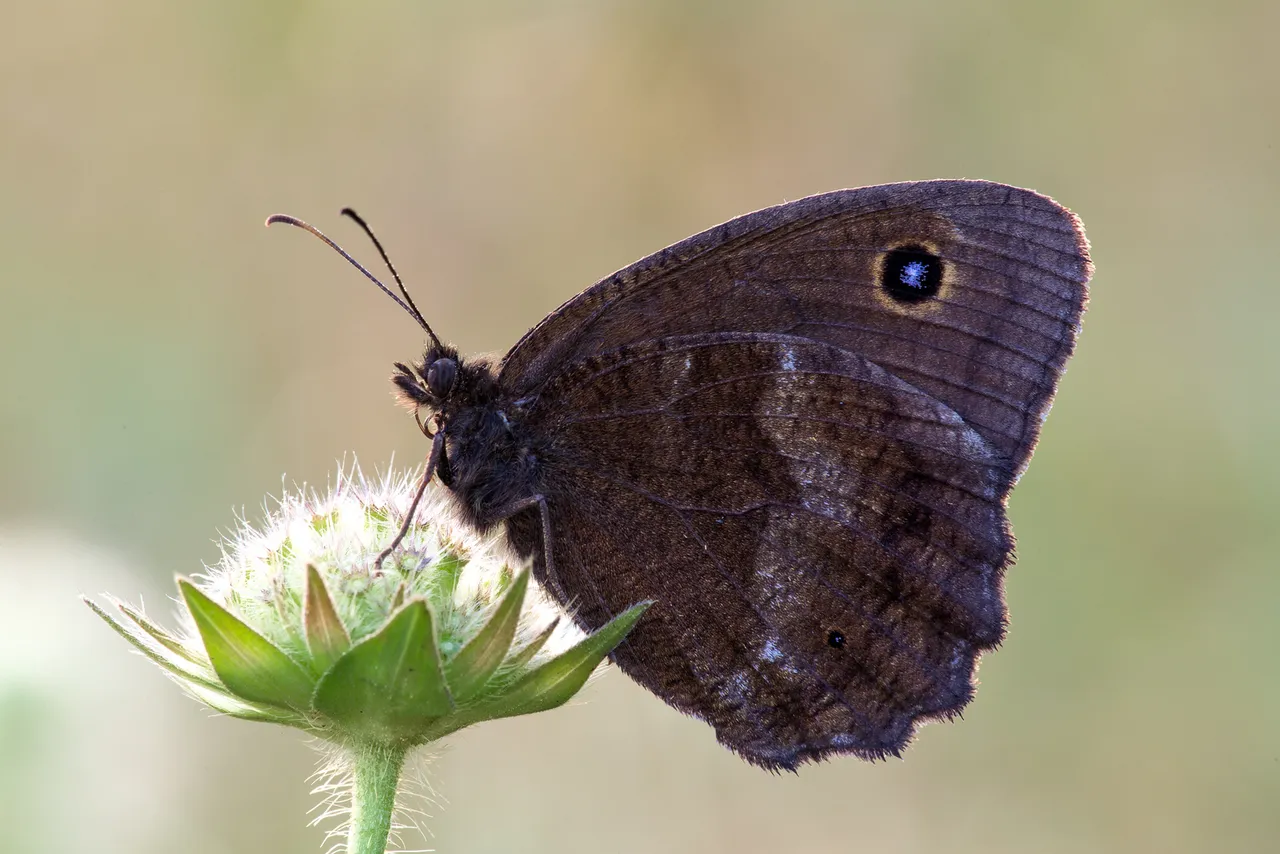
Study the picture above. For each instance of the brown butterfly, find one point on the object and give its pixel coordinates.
(795, 433)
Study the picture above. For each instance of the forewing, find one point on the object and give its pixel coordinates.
(990, 344)
(824, 542)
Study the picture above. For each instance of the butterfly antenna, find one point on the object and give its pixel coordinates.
(359, 220)
(408, 306)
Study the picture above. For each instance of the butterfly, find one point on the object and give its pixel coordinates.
(795, 433)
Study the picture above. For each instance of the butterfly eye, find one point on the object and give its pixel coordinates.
(911, 274)
(441, 376)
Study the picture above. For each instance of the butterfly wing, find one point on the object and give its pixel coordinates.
(796, 432)
(824, 542)
(990, 342)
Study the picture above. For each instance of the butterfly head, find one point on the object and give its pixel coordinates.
(443, 383)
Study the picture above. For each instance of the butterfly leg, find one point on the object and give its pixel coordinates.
(433, 463)
(544, 512)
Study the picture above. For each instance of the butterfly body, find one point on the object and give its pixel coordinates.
(489, 461)
(795, 433)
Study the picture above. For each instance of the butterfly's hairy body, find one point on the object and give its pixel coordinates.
(494, 463)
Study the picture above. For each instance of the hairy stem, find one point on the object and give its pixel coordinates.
(373, 797)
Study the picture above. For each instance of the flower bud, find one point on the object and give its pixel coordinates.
(297, 625)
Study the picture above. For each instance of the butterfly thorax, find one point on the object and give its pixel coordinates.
(489, 461)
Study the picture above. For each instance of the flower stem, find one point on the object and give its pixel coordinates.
(373, 796)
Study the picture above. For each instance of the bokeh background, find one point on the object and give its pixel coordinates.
(164, 359)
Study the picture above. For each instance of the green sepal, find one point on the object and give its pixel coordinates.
(390, 686)
(249, 665)
(446, 571)
(202, 685)
(474, 665)
(162, 637)
(553, 683)
(524, 656)
(179, 667)
(327, 638)
(224, 703)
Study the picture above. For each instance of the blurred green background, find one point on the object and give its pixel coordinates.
(165, 359)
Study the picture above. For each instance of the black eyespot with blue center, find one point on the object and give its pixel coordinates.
(911, 274)
(835, 639)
